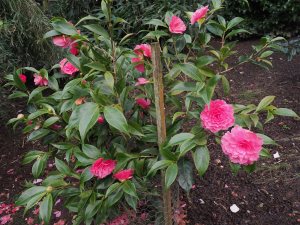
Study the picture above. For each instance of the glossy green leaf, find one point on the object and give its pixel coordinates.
(179, 138)
(285, 112)
(89, 113)
(185, 174)
(171, 174)
(46, 208)
(201, 159)
(266, 101)
(50, 121)
(115, 118)
(62, 167)
(38, 134)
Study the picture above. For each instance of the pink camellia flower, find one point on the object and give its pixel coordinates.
(177, 26)
(143, 103)
(124, 175)
(143, 50)
(100, 120)
(241, 145)
(216, 116)
(199, 14)
(62, 41)
(141, 81)
(39, 80)
(140, 64)
(74, 48)
(102, 168)
(67, 67)
(23, 78)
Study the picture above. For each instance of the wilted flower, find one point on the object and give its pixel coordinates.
(39, 80)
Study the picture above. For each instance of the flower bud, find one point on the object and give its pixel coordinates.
(49, 189)
(20, 116)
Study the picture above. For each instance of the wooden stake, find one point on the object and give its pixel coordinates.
(161, 124)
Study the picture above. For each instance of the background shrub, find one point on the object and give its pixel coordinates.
(280, 17)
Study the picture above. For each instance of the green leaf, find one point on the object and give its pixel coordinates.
(266, 54)
(250, 168)
(201, 159)
(265, 153)
(267, 140)
(235, 168)
(191, 71)
(179, 138)
(176, 115)
(64, 27)
(171, 174)
(31, 155)
(17, 94)
(92, 209)
(91, 151)
(156, 22)
(211, 85)
(39, 166)
(62, 167)
(35, 92)
(186, 146)
(185, 174)
(97, 29)
(183, 86)
(204, 61)
(86, 175)
(89, 113)
(235, 21)
(30, 193)
(37, 134)
(50, 121)
(159, 165)
(285, 112)
(112, 188)
(46, 208)
(89, 17)
(97, 66)
(129, 188)
(235, 32)
(109, 80)
(51, 33)
(226, 85)
(131, 201)
(266, 101)
(53, 84)
(115, 118)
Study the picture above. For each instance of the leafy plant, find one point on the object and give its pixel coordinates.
(95, 111)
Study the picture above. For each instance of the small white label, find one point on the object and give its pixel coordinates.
(276, 155)
(234, 208)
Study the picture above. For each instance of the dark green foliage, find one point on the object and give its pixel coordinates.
(22, 26)
(278, 17)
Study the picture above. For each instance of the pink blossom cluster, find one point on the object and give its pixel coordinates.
(142, 51)
(242, 146)
(101, 168)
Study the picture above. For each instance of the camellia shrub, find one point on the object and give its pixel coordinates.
(95, 111)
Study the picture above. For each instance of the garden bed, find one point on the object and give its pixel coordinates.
(268, 196)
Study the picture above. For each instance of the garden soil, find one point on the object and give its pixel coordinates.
(269, 196)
